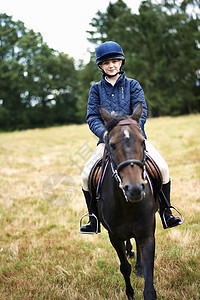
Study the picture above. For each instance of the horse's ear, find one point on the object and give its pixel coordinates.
(106, 116)
(137, 113)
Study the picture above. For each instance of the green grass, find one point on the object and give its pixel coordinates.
(42, 254)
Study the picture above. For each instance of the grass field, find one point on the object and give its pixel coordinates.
(42, 254)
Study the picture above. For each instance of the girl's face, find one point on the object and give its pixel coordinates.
(112, 66)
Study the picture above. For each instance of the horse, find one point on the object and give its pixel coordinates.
(126, 205)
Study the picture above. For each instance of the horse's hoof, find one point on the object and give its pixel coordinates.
(130, 297)
(130, 254)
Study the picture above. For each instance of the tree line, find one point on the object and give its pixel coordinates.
(40, 86)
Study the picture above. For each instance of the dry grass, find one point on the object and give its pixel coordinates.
(42, 255)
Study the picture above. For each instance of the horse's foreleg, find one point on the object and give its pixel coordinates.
(125, 267)
(147, 250)
(138, 264)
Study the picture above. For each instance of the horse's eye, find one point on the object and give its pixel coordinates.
(143, 145)
(112, 146)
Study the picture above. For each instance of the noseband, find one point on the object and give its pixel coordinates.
(117, 167)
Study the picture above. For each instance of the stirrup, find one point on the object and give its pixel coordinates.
(89, 215)
(164, 220)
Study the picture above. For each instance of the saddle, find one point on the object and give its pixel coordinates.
(94, 176)
(154, 175)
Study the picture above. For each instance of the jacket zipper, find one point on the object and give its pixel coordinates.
(122, 92)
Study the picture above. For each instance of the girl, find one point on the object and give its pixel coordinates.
(117, 93)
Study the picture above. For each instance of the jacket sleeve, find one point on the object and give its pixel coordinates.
(137, 95)
(93, 118)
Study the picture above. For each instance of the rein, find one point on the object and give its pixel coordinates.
(117, 167)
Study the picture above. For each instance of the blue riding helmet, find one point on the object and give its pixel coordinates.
(109, 50)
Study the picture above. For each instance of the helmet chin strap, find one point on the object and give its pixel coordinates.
(110, 76)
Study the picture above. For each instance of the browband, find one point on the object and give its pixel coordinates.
(127, 122)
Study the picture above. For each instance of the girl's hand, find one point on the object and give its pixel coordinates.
(104, 136)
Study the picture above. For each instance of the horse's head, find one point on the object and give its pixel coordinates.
(126, 145)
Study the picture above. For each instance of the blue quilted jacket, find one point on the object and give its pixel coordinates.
(122, 97)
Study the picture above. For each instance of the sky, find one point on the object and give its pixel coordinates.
(62, 23)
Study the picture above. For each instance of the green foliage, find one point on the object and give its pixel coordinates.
(38, 84)
(87, 76)
(161, 46)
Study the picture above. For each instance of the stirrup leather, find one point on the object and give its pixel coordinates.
(89, 215)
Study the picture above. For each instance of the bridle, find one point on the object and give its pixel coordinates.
(117, 167)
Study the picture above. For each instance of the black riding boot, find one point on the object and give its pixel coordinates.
(91, 226)
(168, 220)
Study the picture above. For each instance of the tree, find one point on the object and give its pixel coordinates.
(87, 75)
(161, 46)
(38, 84)
(65, 90)
(11, 73)
(10, 33)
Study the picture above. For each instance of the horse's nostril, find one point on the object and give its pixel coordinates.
(134, 192)
(133, 188)
(126, 187)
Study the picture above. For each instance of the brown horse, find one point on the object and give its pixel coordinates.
(126, 206)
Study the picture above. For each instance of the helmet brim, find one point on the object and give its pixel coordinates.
(110, 56)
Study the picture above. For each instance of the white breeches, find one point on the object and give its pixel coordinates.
(98, 153)
(159, 161)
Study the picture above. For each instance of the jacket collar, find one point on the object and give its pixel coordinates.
(118, 80)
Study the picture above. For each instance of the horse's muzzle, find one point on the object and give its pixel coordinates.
(136, 192)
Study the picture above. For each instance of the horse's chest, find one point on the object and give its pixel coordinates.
(122, 222)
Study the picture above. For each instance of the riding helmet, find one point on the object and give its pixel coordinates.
(109, 50)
